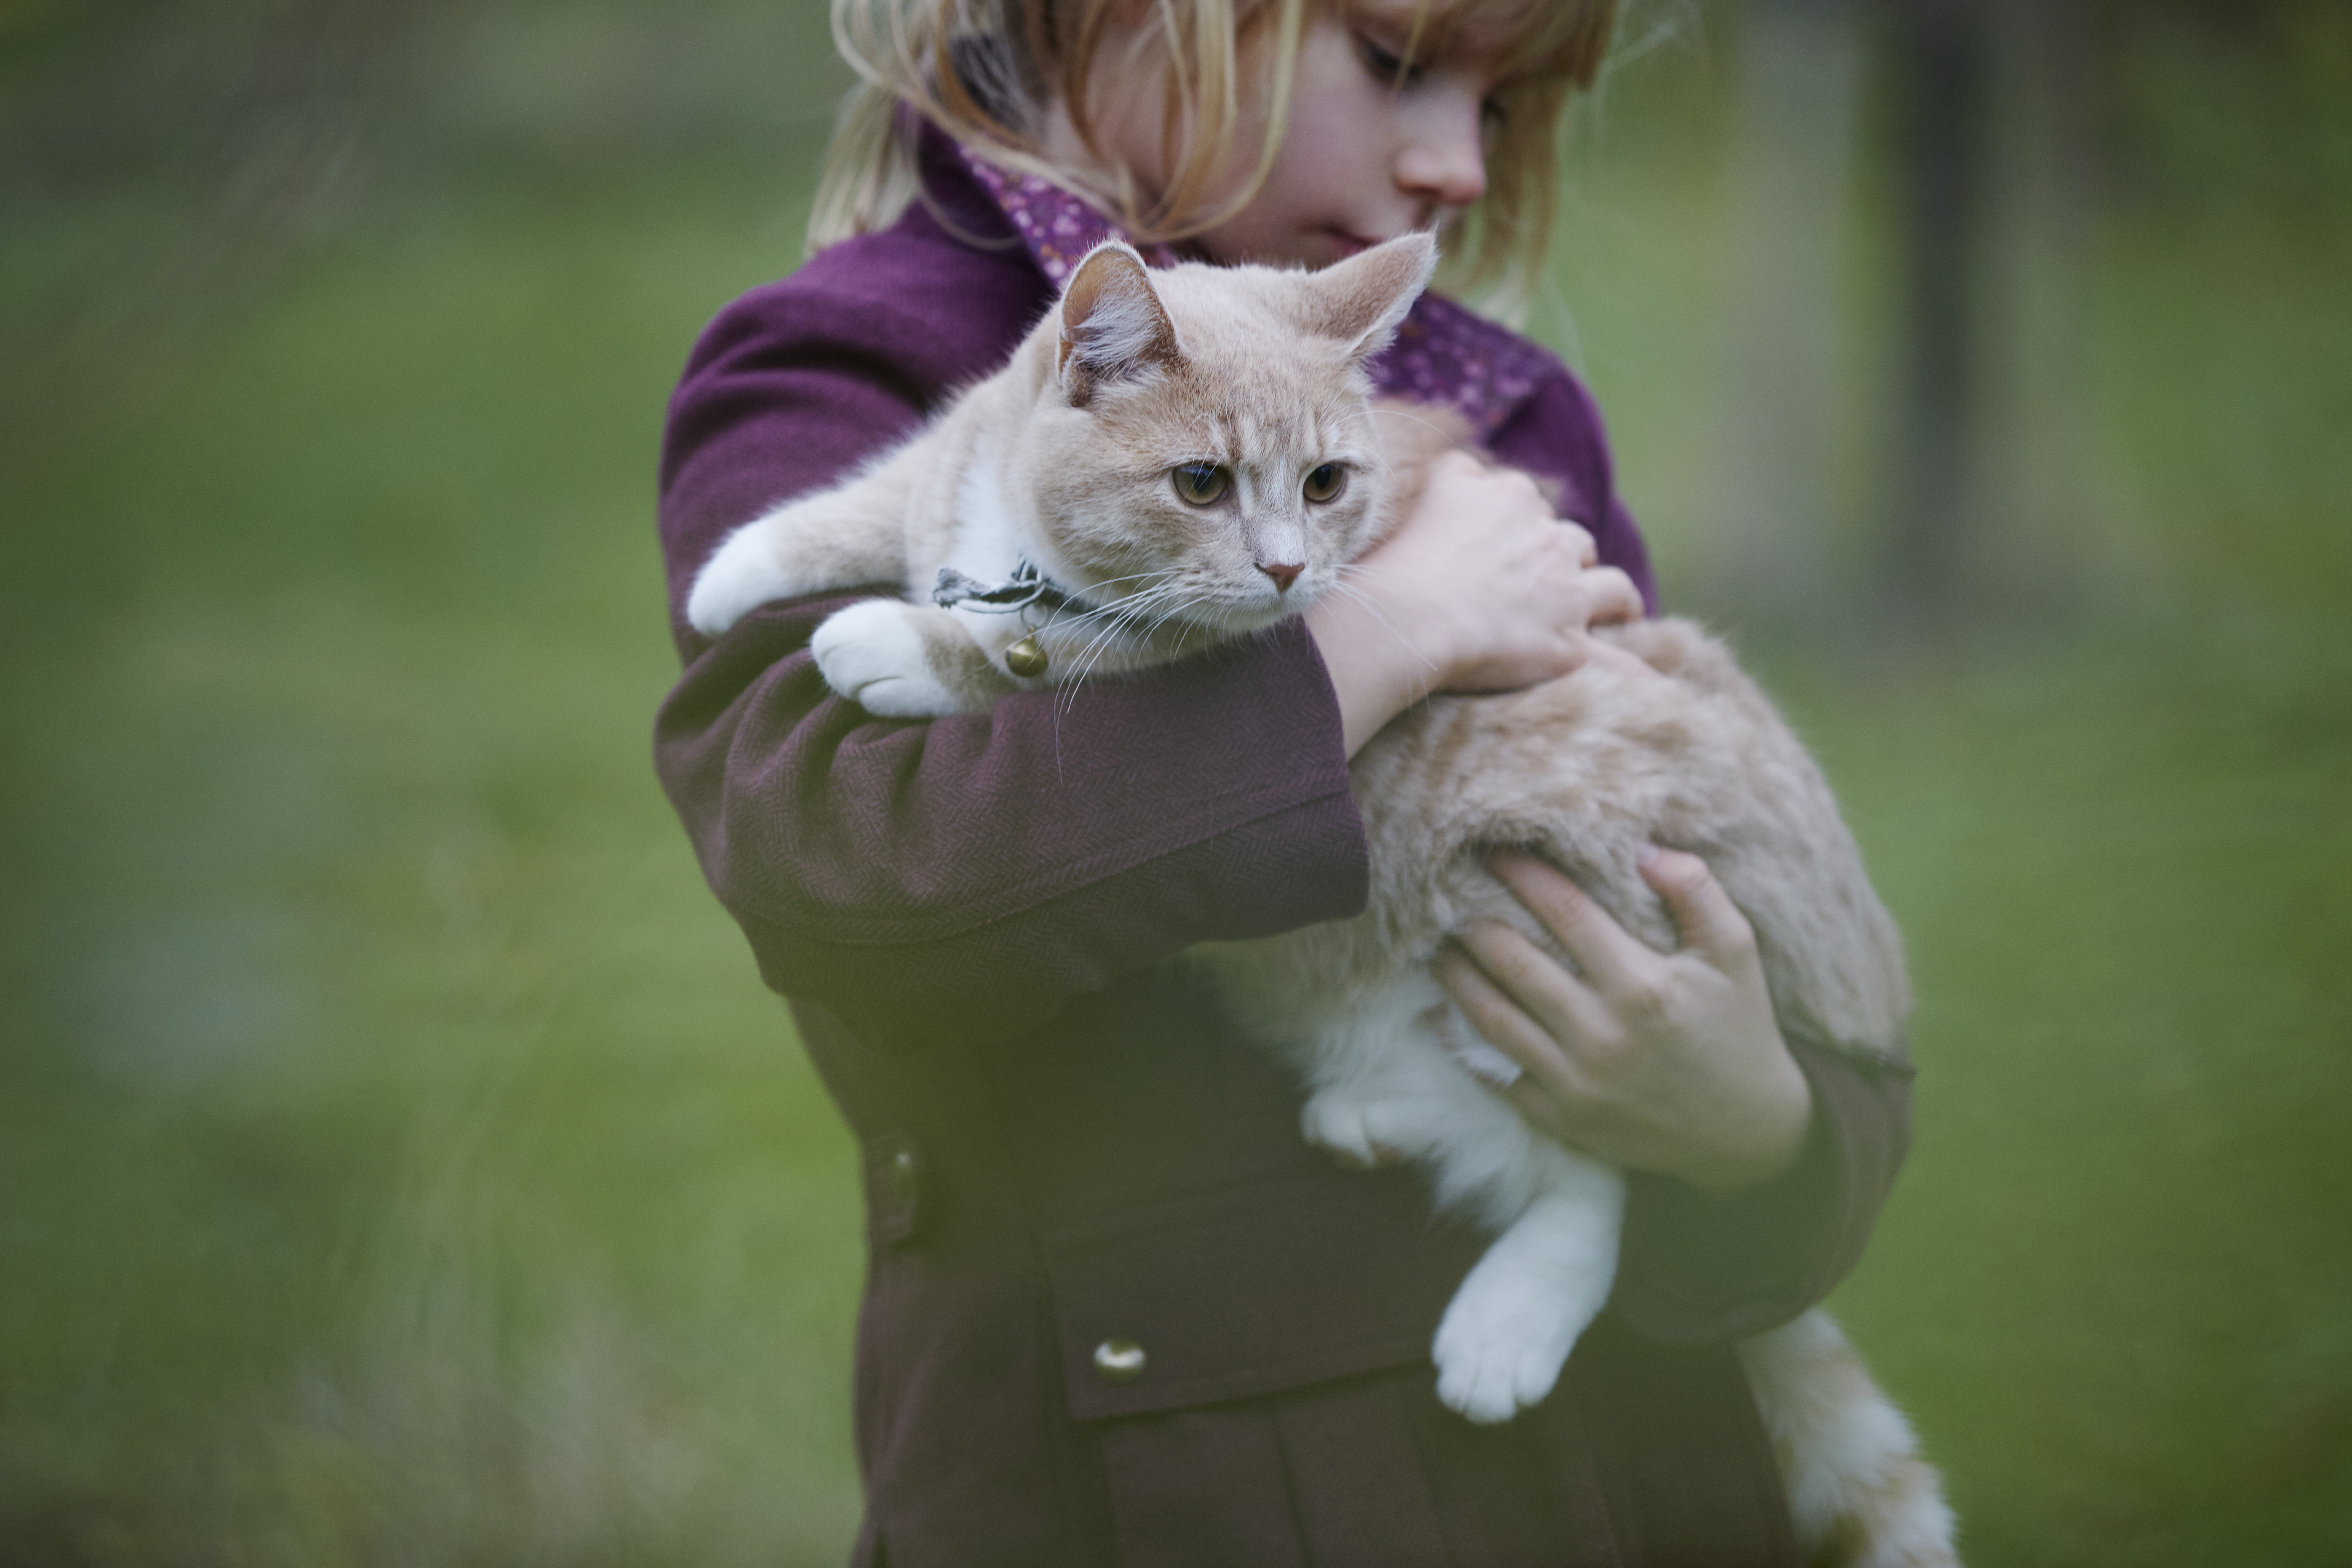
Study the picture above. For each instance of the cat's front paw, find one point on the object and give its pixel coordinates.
(742, 574)
(875, 654)
(1500, 1346)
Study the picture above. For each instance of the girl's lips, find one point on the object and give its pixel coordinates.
(1345, 244)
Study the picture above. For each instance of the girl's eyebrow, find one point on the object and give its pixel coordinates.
(1416, 25)
(1422, 38)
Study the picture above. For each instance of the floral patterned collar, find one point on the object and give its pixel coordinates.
(1443, 353)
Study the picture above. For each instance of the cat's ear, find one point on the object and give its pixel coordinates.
(1360, 300)
(1112, 323)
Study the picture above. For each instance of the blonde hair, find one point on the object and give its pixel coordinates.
(983, 72)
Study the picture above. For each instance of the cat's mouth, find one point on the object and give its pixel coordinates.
(1249, 610)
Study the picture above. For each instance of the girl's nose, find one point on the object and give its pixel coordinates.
(1443, 159)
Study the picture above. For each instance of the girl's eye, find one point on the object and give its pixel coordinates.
(1201, 484)
(1326, 483)
(1388, 70)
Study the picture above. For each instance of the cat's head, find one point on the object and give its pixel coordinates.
(1202, 447)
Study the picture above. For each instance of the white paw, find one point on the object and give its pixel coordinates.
(872, 654)
(742, 574)
(1469, 1050)
(1500, 1345)
(1360, 1132)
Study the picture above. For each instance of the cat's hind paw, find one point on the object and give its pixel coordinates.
(1500, 1347)
(875, 654)
(1361, 1133)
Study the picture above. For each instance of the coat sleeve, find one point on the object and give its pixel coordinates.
(1694, 1268)
(1701, 1269)
(960, 879)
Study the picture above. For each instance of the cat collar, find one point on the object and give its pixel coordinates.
(1026, 589)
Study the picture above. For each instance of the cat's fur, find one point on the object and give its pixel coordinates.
(1064, 459)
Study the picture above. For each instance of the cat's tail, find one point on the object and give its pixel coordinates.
(1859, 1492)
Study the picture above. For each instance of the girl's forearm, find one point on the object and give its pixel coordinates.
(962, 879)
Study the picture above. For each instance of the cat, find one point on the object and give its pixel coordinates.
(1176, 458)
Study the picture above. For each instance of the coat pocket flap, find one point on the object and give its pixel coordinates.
(1251, 1290)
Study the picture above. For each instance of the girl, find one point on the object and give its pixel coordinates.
(1116, 1310)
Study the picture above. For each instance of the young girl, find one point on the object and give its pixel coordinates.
(1116, 1310)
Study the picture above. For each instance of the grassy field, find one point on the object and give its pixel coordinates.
(402, 1163)
(402, 1155)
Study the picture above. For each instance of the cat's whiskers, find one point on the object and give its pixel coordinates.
(1110, 619)
(1177, 610)
(1121, 607)
(1135, 622)
(1112, 616)
(1067, 699)
(1129, 608)
(1100, 643)
(1113, 582)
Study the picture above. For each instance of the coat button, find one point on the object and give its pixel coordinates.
(1118, 1361)
(899, 1182)
(904, 1176)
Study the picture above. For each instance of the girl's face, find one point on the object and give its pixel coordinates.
(1366, 157)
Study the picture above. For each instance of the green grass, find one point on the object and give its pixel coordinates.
(2110, 1286)
(404, 1163)
(403, 1157)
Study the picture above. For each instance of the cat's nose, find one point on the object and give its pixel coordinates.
(1284, 573)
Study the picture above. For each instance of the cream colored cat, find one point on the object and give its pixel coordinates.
(1176, 458)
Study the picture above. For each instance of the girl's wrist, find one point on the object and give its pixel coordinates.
(1775, 1145)
(1375, 671)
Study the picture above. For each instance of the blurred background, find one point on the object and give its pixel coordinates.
(400, 1161)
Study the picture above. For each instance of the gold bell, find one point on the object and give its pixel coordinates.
(1026, 659)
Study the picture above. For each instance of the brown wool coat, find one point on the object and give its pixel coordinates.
(1065, 1140)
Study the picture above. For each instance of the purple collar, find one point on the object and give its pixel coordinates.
(1443, 353)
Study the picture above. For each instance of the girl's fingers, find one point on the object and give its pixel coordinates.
(1613, 598)
(1710, 923)
(1550, 1091)
(1609, 957)
(1588, 550)
(1495, 1014)
(1599, 652)
(1561, 1004)
(1532, 1101)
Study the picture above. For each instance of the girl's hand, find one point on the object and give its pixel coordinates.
(1482, 589)
(1668, 1062)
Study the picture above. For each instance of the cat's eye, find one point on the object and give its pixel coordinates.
(1326, 482)
(1201, 484)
